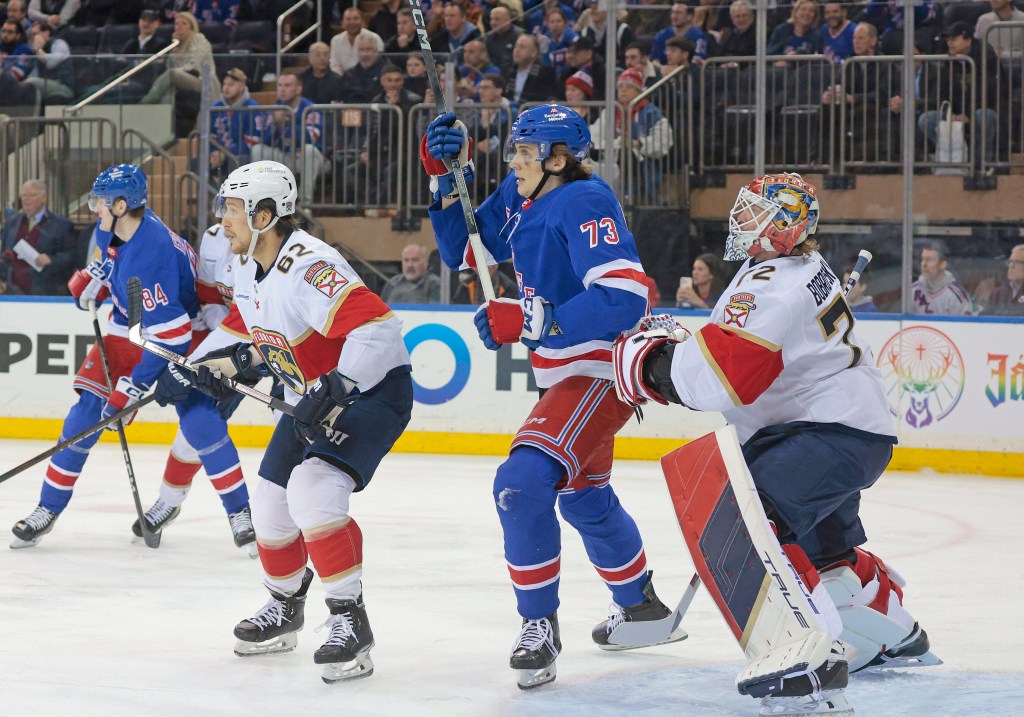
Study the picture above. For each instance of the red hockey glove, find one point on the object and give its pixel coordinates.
(91, 283)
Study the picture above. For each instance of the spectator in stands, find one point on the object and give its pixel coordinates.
(280, 141)
(233, 130)
(1006, 42)
(859, 300)
(16, 10)
(579, 87)
(457, 30)
(415, 285)
(384, 22)
(529, 80)
(887, 15)
(469, 291)
(680, 52)
(862, 80)
(476, 65)
(169, 9)
(15, 94)
(223, 11)
(502, 38)
(416, 74)
(740, 40)
(344, 50)
(147, 42)
(537, 13)
(937, 291)
(582, 57)
(952, 82)
(488, 124)
(837, 33)
(320, 84)
(647, 21)
(1007, 299)
(38, 245)
(188, 61)
(55, 13)
(51, 73)
(702, 288)
(638, 58)
(362, 81)
(404, 39)
(558, 37)
(378, 162)
(592, 25)
(15, 53)
(799, 35)
(649, 138)
(923, 45)
(681, 19)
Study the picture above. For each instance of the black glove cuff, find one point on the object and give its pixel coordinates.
(657, 372)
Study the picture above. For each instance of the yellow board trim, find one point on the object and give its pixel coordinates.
(990, 463)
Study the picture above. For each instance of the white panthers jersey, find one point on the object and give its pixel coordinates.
(215, 279)
(310, 313)
(781, 347)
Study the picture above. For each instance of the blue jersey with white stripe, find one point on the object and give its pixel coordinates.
(571, 247)
(166, 266)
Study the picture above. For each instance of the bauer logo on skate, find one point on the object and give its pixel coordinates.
(278, 355)
(923, 373)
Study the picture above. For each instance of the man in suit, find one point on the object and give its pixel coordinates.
(47, 234)
(528, 80)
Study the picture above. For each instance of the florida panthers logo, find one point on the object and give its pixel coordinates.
(738, 309)
(924, 375)
(280, 358)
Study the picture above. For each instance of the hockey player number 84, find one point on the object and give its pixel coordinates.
(151, 298)
(592, 229)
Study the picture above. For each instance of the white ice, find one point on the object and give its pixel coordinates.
(92, 623)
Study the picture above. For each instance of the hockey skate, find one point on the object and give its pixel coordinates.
(914, 651)
(27, 532)
(158, 517)
(533, 655)
(645, 625)
(346, 654)
(819, 692)
(242, 530)
(274, 626)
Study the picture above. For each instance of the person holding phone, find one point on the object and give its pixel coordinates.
(702, 289)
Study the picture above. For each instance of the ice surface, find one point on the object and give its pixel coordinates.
(94, 624)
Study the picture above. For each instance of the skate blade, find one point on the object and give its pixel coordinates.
(632, 635)
(251, 550)
(355, 669)
(528, 679)
(928, 659)
(833, 703)
(17, 543)
(281, 643)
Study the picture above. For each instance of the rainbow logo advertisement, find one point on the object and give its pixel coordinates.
(923, 372)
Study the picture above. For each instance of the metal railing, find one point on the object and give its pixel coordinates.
(283, 47)
(1007, 99)
(157, 57)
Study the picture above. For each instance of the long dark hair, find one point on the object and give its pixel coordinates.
(714, 265)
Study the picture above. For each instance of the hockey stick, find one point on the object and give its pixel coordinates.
(135, 336)
(77, 437)
(151, 539)
(475, 243)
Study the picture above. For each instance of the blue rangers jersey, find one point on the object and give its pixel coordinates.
(572, 248)
(166, 265)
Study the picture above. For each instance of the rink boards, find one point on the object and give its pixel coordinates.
(956, 388)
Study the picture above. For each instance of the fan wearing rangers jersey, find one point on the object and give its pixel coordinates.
(580, 283)
(134, 242)
(780, 358)
(937, 291)
(338, 351)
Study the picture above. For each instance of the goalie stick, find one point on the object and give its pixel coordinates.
(475, 243)
(77, 437)
(151, 539)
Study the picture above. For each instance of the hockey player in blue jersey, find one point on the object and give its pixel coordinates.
(132, 241)
(580, 283)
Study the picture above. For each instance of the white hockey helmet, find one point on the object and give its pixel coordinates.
(253, 183)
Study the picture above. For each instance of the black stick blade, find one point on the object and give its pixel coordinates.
(134, 301)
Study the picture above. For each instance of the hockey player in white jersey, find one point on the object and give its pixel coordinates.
(338, 350)
(781, 360)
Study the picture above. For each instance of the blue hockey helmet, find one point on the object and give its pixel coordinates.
(548, 125)
(122, 181)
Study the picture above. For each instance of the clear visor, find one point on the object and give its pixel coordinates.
(96, 201)
(222, 208)
(525, 151)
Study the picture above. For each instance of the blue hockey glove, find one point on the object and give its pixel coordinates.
(446, 138)
(174, 385)
(320, 408)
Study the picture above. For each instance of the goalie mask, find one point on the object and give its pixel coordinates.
(775, 212)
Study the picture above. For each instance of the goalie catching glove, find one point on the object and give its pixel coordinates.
(642, 360)
(320, 408)
(239, 362)
(508, 321)
(446, 139)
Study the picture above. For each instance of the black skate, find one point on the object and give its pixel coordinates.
(820, 692)
(157, 518)
(346, 654)
(274, 626)
(913, 651)
(242, 530)
(645, 625)
(533, 655)
(27, 532)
